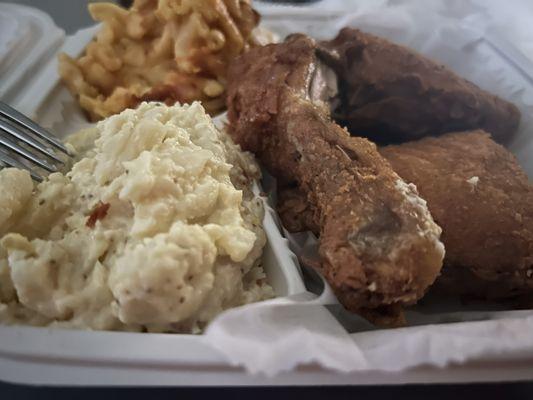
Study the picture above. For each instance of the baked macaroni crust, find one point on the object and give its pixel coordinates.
(159, 50)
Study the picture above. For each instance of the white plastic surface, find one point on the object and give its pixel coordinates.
(28, 37)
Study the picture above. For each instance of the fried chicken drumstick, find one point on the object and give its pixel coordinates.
(482, 199)
(392, 94)
(379, 245)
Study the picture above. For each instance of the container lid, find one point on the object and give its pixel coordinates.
(28, 37)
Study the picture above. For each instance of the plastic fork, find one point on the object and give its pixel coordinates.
(26, 145)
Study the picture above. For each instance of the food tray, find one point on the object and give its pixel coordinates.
(47, 356)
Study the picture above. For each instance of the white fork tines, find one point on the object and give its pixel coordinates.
(26, 145)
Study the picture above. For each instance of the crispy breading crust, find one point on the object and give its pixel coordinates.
(392, 94)
(296, 213)
(379, 246)
(482, 199)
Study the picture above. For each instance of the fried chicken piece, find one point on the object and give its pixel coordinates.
(296, 213)
(379, 246)
(482, 199)
(392, 94)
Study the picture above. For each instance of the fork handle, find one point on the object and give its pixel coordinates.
(10, 113)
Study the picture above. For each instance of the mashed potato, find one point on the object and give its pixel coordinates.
(155, 228)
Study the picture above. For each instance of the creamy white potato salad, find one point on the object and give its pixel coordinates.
(155, 228)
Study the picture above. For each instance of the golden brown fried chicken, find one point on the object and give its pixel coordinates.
(392, 94)
(482, 199)
(296, 213)
(379, 246)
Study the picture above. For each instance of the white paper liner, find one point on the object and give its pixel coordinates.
(280, 334)
(276, 336)
(442, 345)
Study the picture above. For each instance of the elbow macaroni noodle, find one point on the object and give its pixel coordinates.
(159, 50)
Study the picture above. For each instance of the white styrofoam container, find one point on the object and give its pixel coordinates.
(28, 37)
(69, 357)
